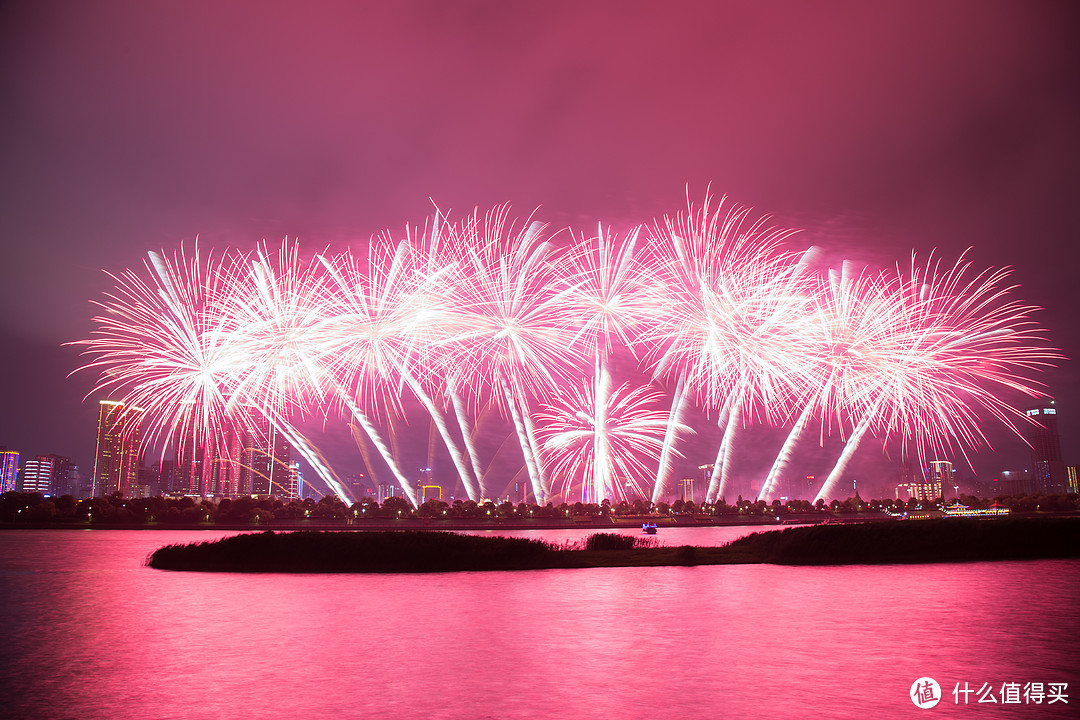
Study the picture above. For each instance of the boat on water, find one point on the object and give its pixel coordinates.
(648, 528)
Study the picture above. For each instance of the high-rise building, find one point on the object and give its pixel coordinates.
(192, 473)
(266, 464)
(1042, 434)
(939, 479)
(209, 465)
(296, 483)
(388, 490)
(65, 474)
(225, 463)
(9, 469)
(356, 484)
(37, 476)
(117, 451)
(1010, 482)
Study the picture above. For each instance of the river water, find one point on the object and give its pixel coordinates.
(89, 632)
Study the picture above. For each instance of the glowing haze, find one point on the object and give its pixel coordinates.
(881, 128)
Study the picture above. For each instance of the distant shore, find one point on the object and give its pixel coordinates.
(377, 524)
(454, 524)
(926, 541)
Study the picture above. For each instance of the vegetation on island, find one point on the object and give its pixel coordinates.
(115, 509)
(945, 540)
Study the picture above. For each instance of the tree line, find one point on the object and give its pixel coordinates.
(16, 507)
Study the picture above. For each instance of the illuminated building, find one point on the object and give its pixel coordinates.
(65, 474)
(430, 492)
(225, 464)
(521, 491)
(687, 488)
(50, 475)
(355, 483)
(266, 464)
(425, 482)
(939, 477)
(296, 483)
(117, 451)
(1070, 474)
(704, 473)
(1042, 434)
(958, 510)
(37, 476)
(388, 490)
(1011, 482)
(927, 488)
(189, 466)
(166, 477)
(904, 474)
(9, 469)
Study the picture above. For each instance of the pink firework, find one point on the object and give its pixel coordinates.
(162, 346)
(513, 342)
(387, 318)
(859, 319)
(379, 319)
(738, 328)
(967, 343)
(612, 290)
(611, 294)
(275, 330)
(954, 343)
(633, 434)
(276, 334)
(503, 294)
(738, 320)
(489, 312)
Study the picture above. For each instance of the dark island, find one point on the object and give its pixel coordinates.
(923, 541)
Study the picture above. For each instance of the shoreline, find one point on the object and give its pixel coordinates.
(381, 524)
(929, 541)
(422, 524)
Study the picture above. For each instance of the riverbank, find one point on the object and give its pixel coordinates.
(454, 524)
(632, 522)
(927, 541)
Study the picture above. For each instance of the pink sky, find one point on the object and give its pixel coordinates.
(878, 127)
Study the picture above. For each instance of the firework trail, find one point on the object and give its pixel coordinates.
(734, 330)
(383, 316)
(957, 342)
(157, 346)
(859, 318)
(511, 345)
(275, 334)
(633, 433)
(611, 294)
(488, 313)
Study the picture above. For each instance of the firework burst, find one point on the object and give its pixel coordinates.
(948, 345)
(161, 346)
(488, 312)
(633, 433)
(735, 334)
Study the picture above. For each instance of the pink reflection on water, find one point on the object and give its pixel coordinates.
(93, 634)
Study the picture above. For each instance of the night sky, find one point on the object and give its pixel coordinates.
(878, 128)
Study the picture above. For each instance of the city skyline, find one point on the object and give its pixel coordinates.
(872, 148)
